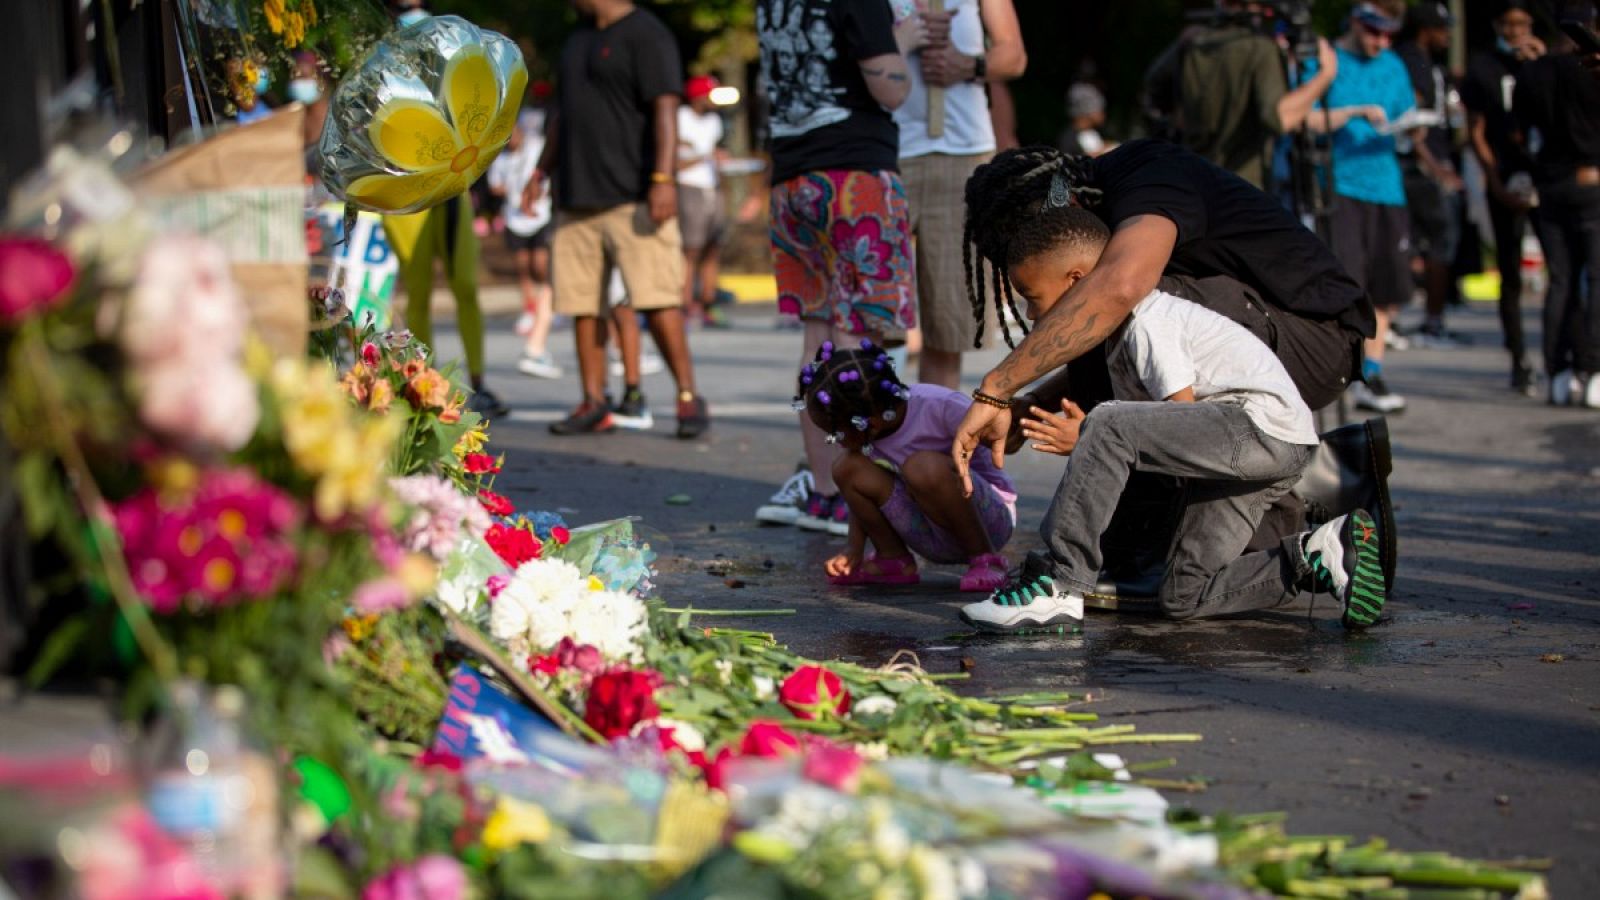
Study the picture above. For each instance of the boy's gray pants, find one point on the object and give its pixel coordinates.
(1232, 473)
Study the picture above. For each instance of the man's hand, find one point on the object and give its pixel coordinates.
(911, 34)
(533, 192)
(663, 202)
(945, 66)
(1054, 432)
(937, 25)
(983, 425)
(1374, 113)
(1529, 47)
(843, 564)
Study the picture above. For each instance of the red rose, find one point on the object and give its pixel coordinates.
(369, 354)
(814, 692)
(34, 276)
(619, 700)
(714, 768)
(560, 535)
(496, 504)
(481, 464)
(547, 664)
(513, 545)
(767, 740)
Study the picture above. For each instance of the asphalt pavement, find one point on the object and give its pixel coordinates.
(1468, 721)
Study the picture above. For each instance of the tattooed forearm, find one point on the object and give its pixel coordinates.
(1065, 333)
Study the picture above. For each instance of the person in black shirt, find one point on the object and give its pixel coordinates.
(612, 149)
(1433, 187)
(1218, 240)
(1558, 110)
(1487, 93)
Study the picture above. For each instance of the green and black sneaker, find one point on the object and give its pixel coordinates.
(1027, 601)
(1344, 559)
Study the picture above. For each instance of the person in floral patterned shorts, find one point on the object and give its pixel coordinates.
(841, 242)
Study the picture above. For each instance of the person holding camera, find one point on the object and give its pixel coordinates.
(1228, 88)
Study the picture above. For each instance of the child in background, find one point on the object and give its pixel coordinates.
(897, 475)
(1197, 397)
(528, 236)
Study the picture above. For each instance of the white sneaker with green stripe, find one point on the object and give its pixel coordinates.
(1027, 600)
(1344, 559)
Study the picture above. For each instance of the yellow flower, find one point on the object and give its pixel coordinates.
(273, 9)
(514, 822)
(441, 156)
(328, 439)
(471, 442)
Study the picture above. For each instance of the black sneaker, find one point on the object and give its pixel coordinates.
(1523, 381)
(633, 412)
(486, 404)
(1343, 560)
(693, 417)
(589, 418)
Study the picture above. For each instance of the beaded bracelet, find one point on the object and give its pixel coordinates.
(990, 400)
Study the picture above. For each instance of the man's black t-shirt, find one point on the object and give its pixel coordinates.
(823, 116)
(1228, 227)
(1558, 106)
(1488, 90)
(1429, 80)
(608, 80)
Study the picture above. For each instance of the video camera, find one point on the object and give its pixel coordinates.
(1289, 18)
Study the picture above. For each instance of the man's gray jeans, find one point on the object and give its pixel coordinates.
(1232, 473)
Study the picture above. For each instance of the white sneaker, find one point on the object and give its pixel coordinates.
(1025, 602)
(1342, 558)
(1374, 395)
(543, 366)
(1591, 392)
(649, 364)
(1566, 389)
(787, 505)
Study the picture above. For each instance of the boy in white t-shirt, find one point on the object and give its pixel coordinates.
(528, 237)
(1197, 397)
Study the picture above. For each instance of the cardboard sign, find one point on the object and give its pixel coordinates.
(365, 263)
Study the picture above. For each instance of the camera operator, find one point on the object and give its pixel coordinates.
(1226, 86)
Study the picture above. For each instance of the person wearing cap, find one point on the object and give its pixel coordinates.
(953, 55)
(1433, 187)
(1369, 229)
(1086, 112)
(1487, 93)
(700, 213)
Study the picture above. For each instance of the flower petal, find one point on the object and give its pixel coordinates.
(413, 135)
(471, 93)
(510, 104)
(403, 193)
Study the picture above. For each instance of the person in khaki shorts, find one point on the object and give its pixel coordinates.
(616, 199)
(973, 42)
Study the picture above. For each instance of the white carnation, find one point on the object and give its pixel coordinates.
(548, 600)
(875, 705)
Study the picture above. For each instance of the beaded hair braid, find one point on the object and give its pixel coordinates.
(845, 388)
(1014, 206)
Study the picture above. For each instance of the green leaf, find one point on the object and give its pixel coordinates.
(57, 649)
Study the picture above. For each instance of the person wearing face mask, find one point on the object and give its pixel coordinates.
(1487, 93)
(305, 88)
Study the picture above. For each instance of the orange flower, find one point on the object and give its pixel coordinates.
(382, 396)
(428, 390)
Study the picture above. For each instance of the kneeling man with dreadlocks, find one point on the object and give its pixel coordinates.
(1163, 209)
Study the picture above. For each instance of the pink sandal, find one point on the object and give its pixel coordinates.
(890, 570)
(985, 572)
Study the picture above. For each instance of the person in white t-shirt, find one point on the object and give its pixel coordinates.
(1199, 398)
(970, 44)
(700, 213)
(528, 237)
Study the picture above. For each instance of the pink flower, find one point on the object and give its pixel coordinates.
(497, 583)
(184, 306)
(814, 692)
(34, 276)
(438, 759)
(369, 354)
(433, 877)
(560, 535)
(768, 740)
(834, 765)
(863, 252)
(380, 595)
(197, 402)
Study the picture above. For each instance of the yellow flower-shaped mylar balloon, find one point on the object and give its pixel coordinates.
(423, 116)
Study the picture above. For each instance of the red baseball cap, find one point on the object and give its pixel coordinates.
(699, 86)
